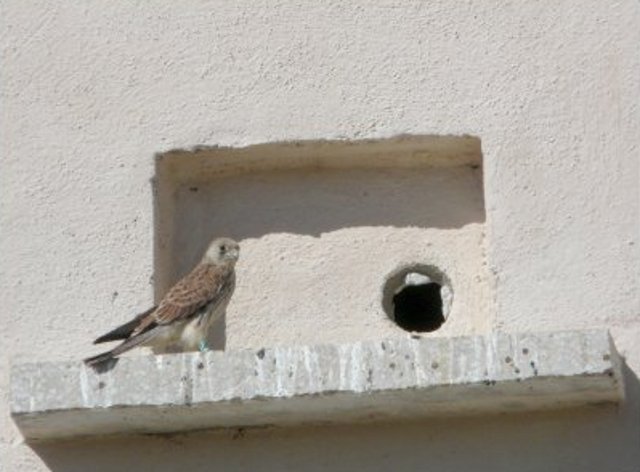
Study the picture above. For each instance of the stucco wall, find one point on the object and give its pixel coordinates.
(91, 92)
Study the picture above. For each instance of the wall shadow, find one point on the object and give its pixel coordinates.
(317, 202)
(310, 188)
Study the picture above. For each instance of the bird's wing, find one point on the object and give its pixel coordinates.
(205, 284)
(125, 330)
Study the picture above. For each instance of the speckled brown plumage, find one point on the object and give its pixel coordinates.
(189, 295)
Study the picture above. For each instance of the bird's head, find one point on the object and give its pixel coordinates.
(222, 250)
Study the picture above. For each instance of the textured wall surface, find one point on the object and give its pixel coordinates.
(91, 92)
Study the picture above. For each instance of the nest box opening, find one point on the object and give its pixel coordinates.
(417, 298)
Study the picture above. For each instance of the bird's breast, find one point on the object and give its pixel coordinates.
(193, 332)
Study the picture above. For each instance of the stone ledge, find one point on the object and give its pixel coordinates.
(371, 380)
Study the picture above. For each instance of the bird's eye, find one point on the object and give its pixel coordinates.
(223, 248)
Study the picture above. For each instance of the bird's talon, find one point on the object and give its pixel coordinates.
(203, 346)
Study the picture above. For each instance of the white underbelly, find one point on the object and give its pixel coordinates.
(193, 333)
(186, 335)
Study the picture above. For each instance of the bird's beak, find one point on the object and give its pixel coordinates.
(235, 253)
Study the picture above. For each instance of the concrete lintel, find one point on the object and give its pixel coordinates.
(395, 379)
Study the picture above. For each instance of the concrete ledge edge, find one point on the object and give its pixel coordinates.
(394, 379)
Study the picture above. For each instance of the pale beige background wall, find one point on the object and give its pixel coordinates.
(91, 91)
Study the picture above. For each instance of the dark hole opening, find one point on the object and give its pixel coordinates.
(419, 307)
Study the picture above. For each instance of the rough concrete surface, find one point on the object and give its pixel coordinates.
(392, 379)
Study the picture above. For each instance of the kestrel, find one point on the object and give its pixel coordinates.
(187, 310)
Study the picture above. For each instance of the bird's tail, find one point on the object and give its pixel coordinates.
(124, 347)
(99, 359)
(125, 330)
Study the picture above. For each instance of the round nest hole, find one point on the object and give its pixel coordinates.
(417, 298)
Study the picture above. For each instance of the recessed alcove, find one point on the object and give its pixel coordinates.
(321, 224)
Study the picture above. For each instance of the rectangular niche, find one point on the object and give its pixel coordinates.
(321, 225)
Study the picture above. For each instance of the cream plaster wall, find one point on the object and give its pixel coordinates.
(90, 92)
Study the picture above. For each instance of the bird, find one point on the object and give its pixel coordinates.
(186, 312)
